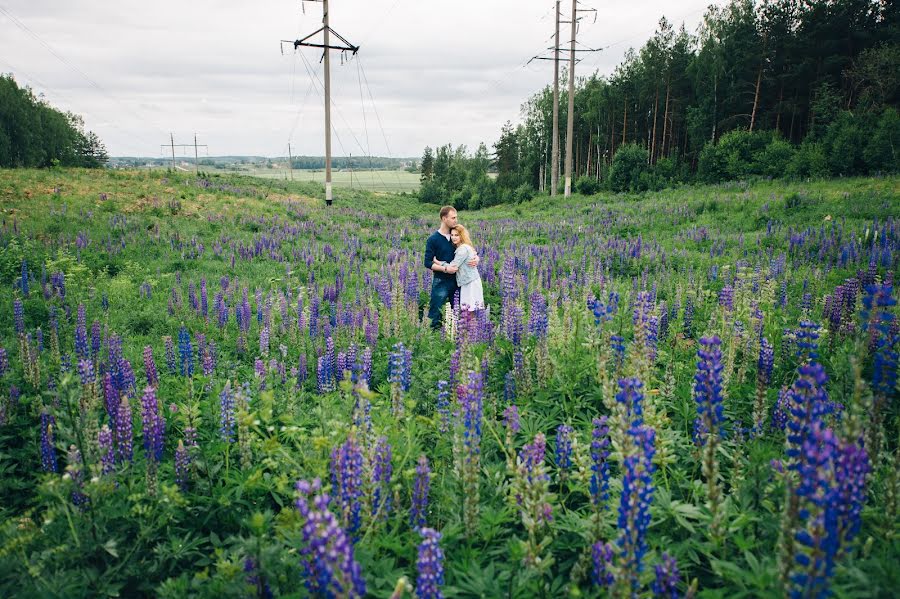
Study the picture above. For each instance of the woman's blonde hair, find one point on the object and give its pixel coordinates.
(463, 234)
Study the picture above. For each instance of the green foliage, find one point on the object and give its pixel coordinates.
(587, 186)
(34, 134)
(628, 164)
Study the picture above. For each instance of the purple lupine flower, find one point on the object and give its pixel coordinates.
(400, 366)
(327, 554)
(18, 316)
(107, 450)
(509, 388)
(226, 413)
(170, 355)
(807, 340)
(708, 391)
(124, 431)
(346, 481)
(150, 367)
(830, 494)
(86, 372)
(204, 301)
(75, 470)
(667, 578)
(186, 354)
(688, 318)
(600, 462)
(430, 566)
(48, 449)
(182, 466)
(807, 403)
(634, 505)
(382, 469)
(96, 339)
(537, 316)
(880, 324)
(604, 312)
(23, 280)
(602, 558)
(153, 426)
(511, 419)
(264, 340)
(81, 341)
(781, 411)
(726, 297)
(4, 361)
(564, 446)
(765, 363)
(418, 512)
(443, 406)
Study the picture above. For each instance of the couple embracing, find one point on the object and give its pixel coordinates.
(452, 258)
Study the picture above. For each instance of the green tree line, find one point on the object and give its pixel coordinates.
(778, 88)
(34, 134)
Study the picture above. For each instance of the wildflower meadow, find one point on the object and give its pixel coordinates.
(220, 387)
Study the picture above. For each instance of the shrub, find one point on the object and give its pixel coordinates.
(773, 161)
(587, 185)
(808, 161)
(881, 153)
(628, 164)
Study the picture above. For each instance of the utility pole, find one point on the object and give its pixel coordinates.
(195, 145)
(570, 118)
(290, 161)
(326, 46)
(554, 152)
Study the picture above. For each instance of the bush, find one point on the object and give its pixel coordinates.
(523, 193)
(881, 153)
(627, 165)
(711, 164)
(773, 161)
(844, 142)
(587, 186)
(808, 161)
(431, 193)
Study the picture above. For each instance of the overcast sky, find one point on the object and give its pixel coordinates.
(438, 71)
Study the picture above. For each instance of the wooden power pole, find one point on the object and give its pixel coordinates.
(326, 47)
(554, 152)
(195, 145)
(570, 117)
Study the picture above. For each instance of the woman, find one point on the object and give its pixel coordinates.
(471, 292)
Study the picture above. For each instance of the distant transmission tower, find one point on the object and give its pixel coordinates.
(326, 31)
(195, 145)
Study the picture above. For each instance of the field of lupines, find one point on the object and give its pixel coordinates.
(220, 388)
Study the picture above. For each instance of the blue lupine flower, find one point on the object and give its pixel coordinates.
(421, 490)
(48, 450)
(634, 505)
(430, 566)
(708, 390)
(327, 553)
(346, 482)
(564, 446)
(186, 363)
(381, 478)
(831, 492)
(602, 558)
(667, 578)
(599, 461)
(154, 425)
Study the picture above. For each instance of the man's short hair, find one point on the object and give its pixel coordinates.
(445, 210)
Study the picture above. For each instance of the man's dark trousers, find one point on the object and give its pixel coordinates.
(442, 291)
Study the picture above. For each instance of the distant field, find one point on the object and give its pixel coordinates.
(387, 181)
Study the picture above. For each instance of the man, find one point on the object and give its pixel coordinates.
(443, 286)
